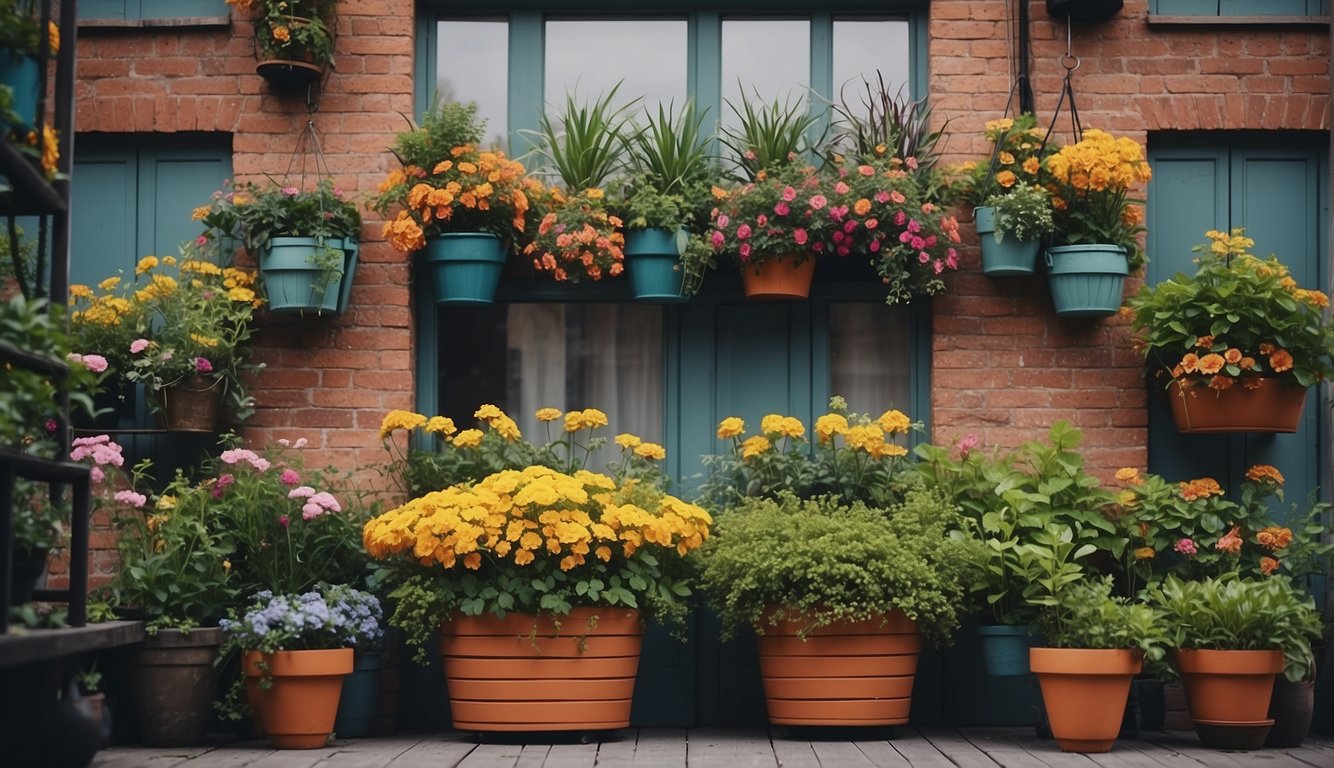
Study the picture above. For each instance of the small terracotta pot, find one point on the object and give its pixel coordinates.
(1084, 691)
(1228, 686)
(525, 673)
(298, 710)
(848, 673)
(1271, 407)
(778, 279)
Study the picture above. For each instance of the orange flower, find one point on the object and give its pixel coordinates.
(1280, 361)
(1232, 356)
(1129, 476)
(1211, 363)
(1246, 363)
(1220, 383)
(1205, 342)
(1266, 348)
(1144, 553)
(1201, 488)
(1190, 362)
(1252, 382)
(1261, 473)
(1274, 538)
(1268, 565)
(1231, 543)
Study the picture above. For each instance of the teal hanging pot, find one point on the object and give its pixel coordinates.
(1006, 257)
(20, 73)
(653, 259)
(464, 267)
(1087, 280)
(297, 281)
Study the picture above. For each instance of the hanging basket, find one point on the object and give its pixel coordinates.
(778, 279)
(285, 75)
(191, 405)
(465, 267)
(1269, 407)
(1006, 257)
(1087, 280)
(653, 259)
(295, 283)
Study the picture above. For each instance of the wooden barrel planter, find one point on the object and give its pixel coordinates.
(845, 674)
(543, 672)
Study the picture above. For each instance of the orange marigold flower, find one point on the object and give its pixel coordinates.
(1246, 363)
(1205, 342)
(1220, 383)
(1211, 363)
(1274, 538)
(1006, 179)
(1201, 488)
(1268, 565)
(1232, 356)
(1231, 543)
(1190, 362)
(1144, 553)
(1261, 473)
(282, 34)
(1266, 347)
(1129, 476)
(1280, 360)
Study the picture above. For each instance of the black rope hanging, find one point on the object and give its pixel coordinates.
(1070, 62)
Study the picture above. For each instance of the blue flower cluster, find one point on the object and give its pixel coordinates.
(327, 617)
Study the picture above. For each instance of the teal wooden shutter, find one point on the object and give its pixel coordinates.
(151, 9)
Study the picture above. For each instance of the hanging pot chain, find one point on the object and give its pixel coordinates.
(1070, 62)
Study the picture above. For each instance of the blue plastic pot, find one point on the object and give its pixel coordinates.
(1005, 649)
(1087, 280)
(464, 267)
(294, 282)
(21, 74)
(1007, 257)
(653, 258)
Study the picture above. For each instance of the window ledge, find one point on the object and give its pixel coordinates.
(1203, 21)
(188, 21)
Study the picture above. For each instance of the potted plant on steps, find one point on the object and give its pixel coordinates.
(306, 242)
(537, 605)
(667, 203)
(1238, 344)
(1232, 637)
(1096, 240)
(460, 205)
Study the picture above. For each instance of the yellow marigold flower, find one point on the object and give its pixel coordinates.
(1126, 498)
(627, 440)
(1006, 179)
(239, 294)
(468, 438)
(146, 264)
(1129, 476)
(1005, 158)
(282, 34)
(772, 424)
(488, 412)
(1264, 473)
(199, 213)
(593, 418)
(548, 414)
(731, 427)
(399, 419)
(1031, 166)
(829, 425)
(440, 425)
(81, 291)
(754, 446)
(894, 422)
(650, 451)
(1144, 553)
(204, 341)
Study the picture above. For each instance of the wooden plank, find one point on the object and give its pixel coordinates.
(571, 756)
(142, 757)
(487, 756)
(919, 752)
(292, 758)
(653, 748)
(795, 754)
(955, 746)
(1003, 745)
(729, 748)
(367, 753)
(881, 754)
(533, 756)
(438, 751)
(837, 754)
(1185, 750)
(619, 749)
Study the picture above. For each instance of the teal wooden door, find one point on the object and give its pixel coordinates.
(1275, 187)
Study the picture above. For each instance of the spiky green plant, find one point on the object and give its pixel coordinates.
(582, 145)
(769, 135)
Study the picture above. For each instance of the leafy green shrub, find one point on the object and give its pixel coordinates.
(1086, 615)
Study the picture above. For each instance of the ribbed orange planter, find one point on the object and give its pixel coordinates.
(1084, 691)
(849, 673)
(1228, 686)
(778, 279)
(1272, 407)
(523, 673)
(298, 711)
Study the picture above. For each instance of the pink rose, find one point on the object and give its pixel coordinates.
(817, 202)
(743, 231)
(138, 345)
(723, 221)
(781, 209)
(203, 365)
(789, 194)
(716, 239)
(799, 235)
(744, 251)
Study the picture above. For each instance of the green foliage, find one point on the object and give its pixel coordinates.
(288, 34)
(583, 145)
(1037, 511)
(256, 214)
(1229, 613)
(890, 125)
(28, 398)
(1024, 213)
(1237, 320)
(769, 136)
(829, 561)
(1087, 616)
(21, 28)
(444, 126)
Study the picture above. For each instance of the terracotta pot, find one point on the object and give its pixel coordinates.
(1271, 407)
(525, 673)
(1084, 691)
(298, 711)
(1228, 686)
(848, 673)
(173, 686)
(778, 279)
(1291, 707)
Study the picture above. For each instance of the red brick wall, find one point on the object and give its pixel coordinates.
(1005, 365)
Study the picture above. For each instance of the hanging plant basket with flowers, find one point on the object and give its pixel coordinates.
(1238, 342)
(293, 39)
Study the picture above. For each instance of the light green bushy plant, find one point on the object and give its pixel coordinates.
(1236, 614)
(1086, 615)
(825, 561)
(1024, 213)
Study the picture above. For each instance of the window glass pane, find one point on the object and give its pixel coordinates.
(869, 363)
(522, 357)
(764, 60)
(588, 58)
(865, 46)
(472, 64)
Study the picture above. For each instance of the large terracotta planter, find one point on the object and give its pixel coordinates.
(778, 279)
(848, 673)
(1228, 686)
(173, 686)
(1270, 407)
(525, 673)
(1084, 691)
(298, 711)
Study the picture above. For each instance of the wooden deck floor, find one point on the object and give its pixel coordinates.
(731, 748)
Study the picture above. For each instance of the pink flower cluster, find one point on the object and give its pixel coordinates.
(94, 363)
(317, 503)
(237, 455)
(103, 451)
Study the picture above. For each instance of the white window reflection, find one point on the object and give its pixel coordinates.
(869, 363)
(864, 48)
(587, 58)
(764, 61)
(472, 64)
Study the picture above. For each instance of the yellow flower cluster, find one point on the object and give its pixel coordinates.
(1099, 162)
(524, 515)
(866, 435)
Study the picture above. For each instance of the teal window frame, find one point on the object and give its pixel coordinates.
(525, 100)
(130, 10)
(1224, 8)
